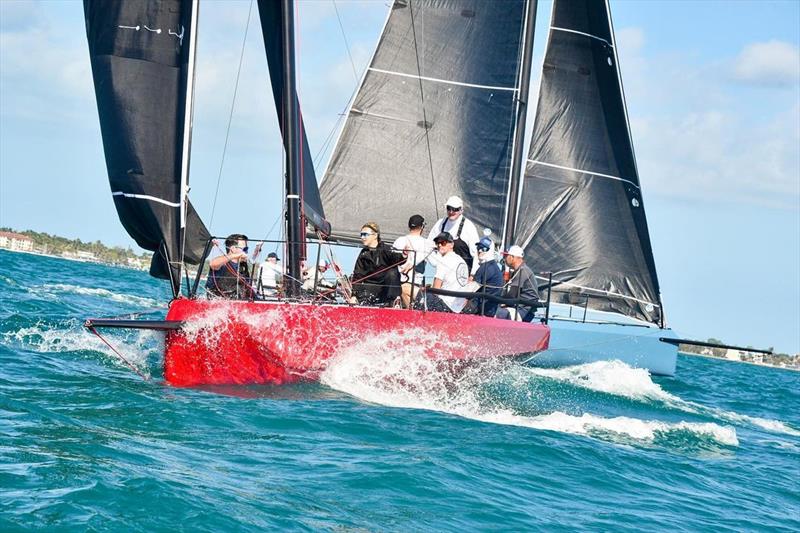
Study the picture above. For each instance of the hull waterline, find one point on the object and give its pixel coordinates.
(576, 342)
(237, 343)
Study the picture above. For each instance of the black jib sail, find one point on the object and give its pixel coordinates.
(434, 116)
(142, 62)
(582, 215)
(270, 14)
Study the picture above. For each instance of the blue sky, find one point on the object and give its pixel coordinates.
(713, 90)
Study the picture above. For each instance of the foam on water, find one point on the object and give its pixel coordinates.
(71, 336)
(619, 379)
(383, 371)
(54, 289)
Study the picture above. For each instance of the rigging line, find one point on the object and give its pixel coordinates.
(230, 115)
(424, 114)
(346, 44)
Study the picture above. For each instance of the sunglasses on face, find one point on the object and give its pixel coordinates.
(365, 234)
(442, 243)
(451, 209)
(482, 249)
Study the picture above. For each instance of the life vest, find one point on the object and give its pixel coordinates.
(231, 280)
(459, 246)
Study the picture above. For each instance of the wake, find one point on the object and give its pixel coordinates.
(387, 373)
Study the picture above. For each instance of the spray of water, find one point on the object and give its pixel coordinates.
(386, 371)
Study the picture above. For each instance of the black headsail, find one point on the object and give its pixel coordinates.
(582, 213)
(142, 55)
(434, 116)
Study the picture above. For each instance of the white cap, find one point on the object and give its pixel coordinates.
(454, 201)
(515, 251)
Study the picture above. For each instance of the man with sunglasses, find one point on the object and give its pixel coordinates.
(490, 279)
(229, 274)
(451, 275)
(464, 232)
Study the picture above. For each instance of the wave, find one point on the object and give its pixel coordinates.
(54, 289)
(70, 336)
(619, 379)
(390, 374)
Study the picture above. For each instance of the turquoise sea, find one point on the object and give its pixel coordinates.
(384, 443)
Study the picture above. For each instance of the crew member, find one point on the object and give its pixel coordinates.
(521, 285)
(270, 275)
(229, 274)
(451, 274)
(464, 232)
(417, 249)
(490, 279)
(376, 280)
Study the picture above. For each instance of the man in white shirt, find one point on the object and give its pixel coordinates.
(417, 248)
(270, 275)
(464, 232)
(451, 275)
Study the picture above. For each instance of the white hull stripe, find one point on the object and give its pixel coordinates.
(584, 172)
(582, 33)
(146, 197)
(449, 82)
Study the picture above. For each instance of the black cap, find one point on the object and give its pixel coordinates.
(416, 221)
(443, 237)
(272, 254)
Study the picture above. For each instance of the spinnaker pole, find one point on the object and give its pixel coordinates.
(294, 221)
(517, 162)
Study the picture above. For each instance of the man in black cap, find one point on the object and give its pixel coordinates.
(270, 275)
(452, 274)
(417, 248)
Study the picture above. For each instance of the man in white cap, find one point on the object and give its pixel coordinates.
(464, 232)
(521, 285)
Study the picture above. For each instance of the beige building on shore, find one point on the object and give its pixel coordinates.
(15, 241)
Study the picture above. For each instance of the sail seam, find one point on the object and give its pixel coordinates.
(582, 33)
(146, 197)
(609, 176)
(439, 80)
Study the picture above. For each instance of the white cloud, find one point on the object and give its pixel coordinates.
(772, 63)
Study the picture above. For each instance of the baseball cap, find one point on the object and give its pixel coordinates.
(416, 221)
(454, 201)
(443, 237)
(515, 251)
(484, 244)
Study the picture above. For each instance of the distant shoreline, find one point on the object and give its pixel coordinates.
(792, 368)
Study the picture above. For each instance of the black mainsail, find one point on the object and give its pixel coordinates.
(582, 212)
(142, 55)
(434, 116)
(271, 13)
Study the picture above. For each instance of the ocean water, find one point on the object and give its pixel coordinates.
(383, 443)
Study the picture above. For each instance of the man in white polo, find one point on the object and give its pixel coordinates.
(451, 274)
(464, 232)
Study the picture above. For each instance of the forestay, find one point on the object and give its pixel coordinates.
(582, 214)
(141, 64)
(434, 116)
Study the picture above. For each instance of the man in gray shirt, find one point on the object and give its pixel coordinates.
(521, 285)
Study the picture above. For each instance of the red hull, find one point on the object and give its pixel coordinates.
(237, 343)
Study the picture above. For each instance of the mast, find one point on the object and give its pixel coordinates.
(187, 136)
(294, 220)
(515, 182)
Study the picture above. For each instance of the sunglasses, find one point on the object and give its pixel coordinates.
(482, 249)
(442, 243)
(365, 234)
(452, 209)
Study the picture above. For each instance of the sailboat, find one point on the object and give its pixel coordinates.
(440, 112)
(143, 65)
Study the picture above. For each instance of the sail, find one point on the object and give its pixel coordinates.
(434, 116)
(270, 14)
(140, 57)
(582, 215)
